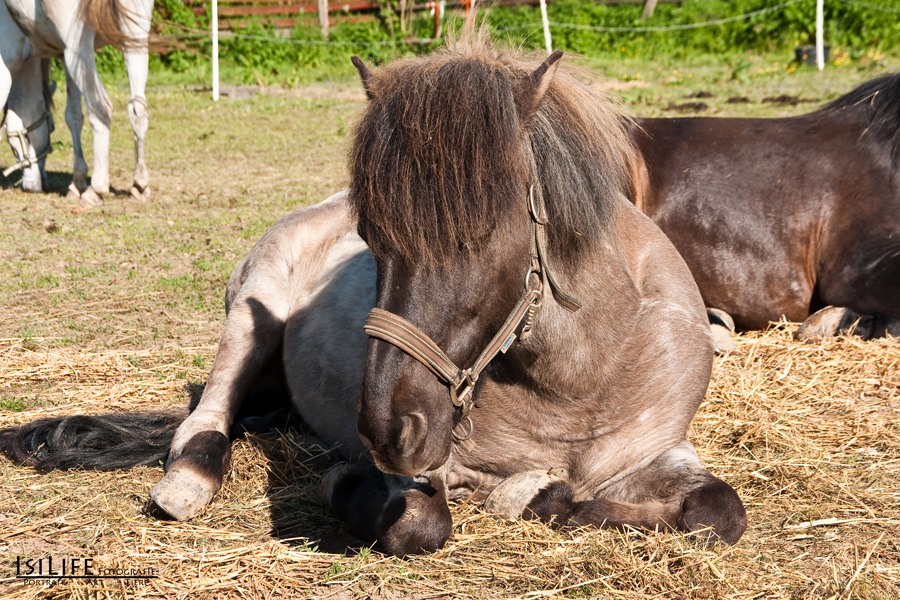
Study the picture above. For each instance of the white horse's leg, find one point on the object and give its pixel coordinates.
(31, 175)
(81, 65)
(136, 64)
(30, 135)
(5, 87)
(75, 121)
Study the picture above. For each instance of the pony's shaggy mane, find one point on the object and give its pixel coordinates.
(440, 154)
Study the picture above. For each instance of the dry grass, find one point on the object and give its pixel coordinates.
(808, 435)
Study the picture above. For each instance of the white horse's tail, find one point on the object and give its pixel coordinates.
(110, 21)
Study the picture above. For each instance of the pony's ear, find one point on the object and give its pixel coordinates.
(364, 74)
(530, 90)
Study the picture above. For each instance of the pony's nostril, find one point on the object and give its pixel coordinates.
(413, 430)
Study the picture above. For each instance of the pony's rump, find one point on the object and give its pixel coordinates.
(101, 443)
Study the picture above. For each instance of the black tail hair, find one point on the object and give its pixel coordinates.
(101, 443)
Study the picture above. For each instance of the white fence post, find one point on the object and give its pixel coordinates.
(546, 26)
(215, 50)
(820, 35)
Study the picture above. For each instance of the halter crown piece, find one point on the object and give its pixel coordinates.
(398, 331)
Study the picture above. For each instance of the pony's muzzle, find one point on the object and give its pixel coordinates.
(407, 451)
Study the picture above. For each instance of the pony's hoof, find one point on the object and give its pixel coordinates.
(193, 478)
(330, 479)
(89, 200)
(828, 322)
(722, 341)
(139, 192)
(182, 493)
(510, 498)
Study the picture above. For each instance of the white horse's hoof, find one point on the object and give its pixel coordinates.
(330, 480)
(139, 192)
(74, 196)
(88, 201)
(510, 498)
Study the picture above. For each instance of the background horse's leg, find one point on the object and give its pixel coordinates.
(673, 492)
(80, 63)
(75, 122)
(136, 64)
(404, 515)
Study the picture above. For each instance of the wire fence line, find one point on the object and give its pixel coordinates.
(197, 33)
(872, 6)
(665, 28)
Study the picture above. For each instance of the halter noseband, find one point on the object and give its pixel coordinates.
(398, 331)
(26, 161)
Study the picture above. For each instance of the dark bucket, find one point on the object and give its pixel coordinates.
(807, 54)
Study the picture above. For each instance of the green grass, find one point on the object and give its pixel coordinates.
(154, 272)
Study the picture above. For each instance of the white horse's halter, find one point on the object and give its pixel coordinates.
(25, 161)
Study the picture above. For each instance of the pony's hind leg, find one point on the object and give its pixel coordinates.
(404, 515)
(674, 493)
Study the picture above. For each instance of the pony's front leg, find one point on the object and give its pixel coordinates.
(80, 63)
(201, 449)
(674, 492)
(405, 515)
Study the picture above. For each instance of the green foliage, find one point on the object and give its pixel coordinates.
(848, 25)
(258, 54)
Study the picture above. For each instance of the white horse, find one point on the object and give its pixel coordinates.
(73, 30)
(28, 121)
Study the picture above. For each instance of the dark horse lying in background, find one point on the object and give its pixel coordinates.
(488, 187)
(785, 216)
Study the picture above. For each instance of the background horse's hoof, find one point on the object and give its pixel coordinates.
(828, 322)
(722, 341)
(720, 317)
(89, 200)
(194, 477)
(139, 192)
(510, 498)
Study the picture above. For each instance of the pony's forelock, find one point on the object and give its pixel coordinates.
(441, 154)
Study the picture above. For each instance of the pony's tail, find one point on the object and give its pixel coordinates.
(102, 443)
(109, 20)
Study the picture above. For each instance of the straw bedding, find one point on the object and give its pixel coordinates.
(807, 433)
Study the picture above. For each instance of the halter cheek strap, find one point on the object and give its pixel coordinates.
(398, 331)
(25, 161)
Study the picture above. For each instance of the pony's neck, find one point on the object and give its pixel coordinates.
(565, 346)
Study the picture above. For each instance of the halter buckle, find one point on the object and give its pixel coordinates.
(461, 391)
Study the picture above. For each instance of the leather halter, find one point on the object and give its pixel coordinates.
(26, 161)
(398, 331)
